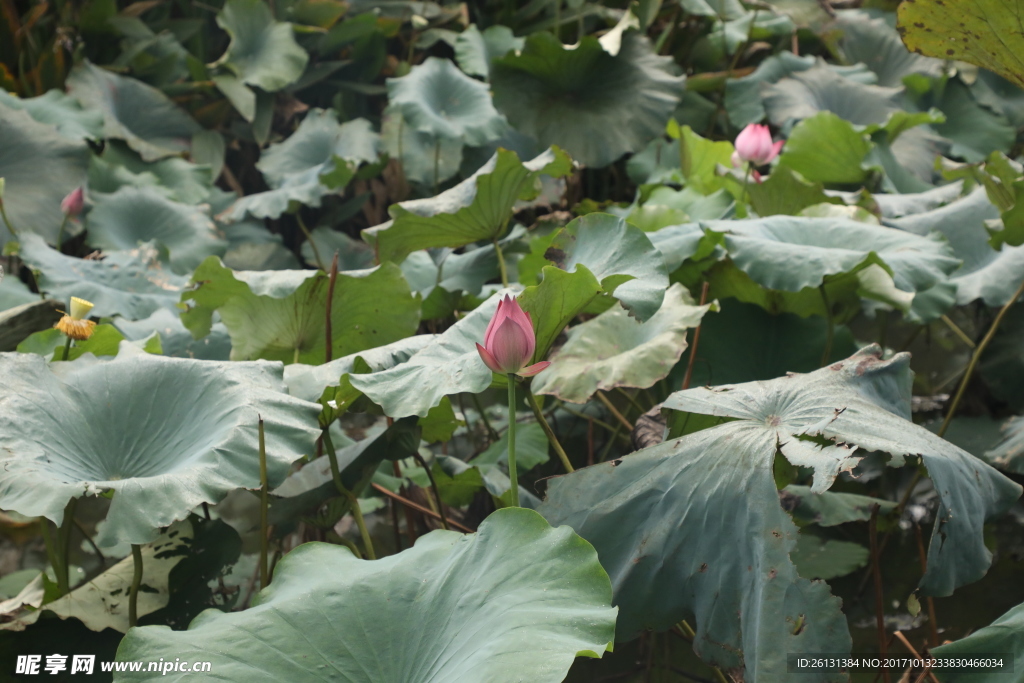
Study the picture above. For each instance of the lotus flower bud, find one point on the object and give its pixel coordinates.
(509, 341)
(73, 204)
(754, 144)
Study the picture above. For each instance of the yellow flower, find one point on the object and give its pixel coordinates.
(75, 325)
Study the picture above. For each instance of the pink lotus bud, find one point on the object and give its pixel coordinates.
(754, 144)
(509, 341)
(73, 204)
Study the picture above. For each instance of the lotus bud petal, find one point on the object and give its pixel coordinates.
(754, 144)
(510, 341)
(73, 204)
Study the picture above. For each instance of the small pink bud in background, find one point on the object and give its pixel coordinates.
(509, 341)
(73, 204)
(754, 144)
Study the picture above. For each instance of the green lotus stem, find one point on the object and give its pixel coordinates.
(437, 163)
(513, 475)
(51, 551)
(550, 433)
(312, 242)
(295, 355)
(60, 232)
(264, 502)
(958, 332)
(357, 514)
(501, 263)
(7, 221)
(830, 332)
(133, 595)
(613, 410)
(67, 348)
(64, 541)
(746, 179)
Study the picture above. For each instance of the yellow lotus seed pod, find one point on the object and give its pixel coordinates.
(80, 308)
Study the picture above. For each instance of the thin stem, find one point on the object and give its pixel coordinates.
(552, 439)
(590, 418)
(410, 505)
(433, 486)
(67, 348)
(513, 475)
(501, 263)
(7, 221)
(614, 411)
(632, 400)
(328, 333)
(264, 502)
(483, 416)
(910, 648)
(357, 514)
(976, 356)
(52, 554)
(133, 596)
(746, 179)
(830, 331)
(64, 540)
(696, 339)
(876, 572)
(60, 232)
(312, 242)
(437, 163)
(95, 548)
(351, 546)
(958, 332)
(611, 441)
(295, 355)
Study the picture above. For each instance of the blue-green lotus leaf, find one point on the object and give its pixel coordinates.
(39, 167)
(58, 109)
(175, 340)
(301, 169)
(164, 434)
(263, 52)
(132, 215)
(172, 177)
(137, 113)
(438, 99)
(132, 284)
(1002, 639)
(516, 601)
(872, 41)
(426, 159)
(594, 105)
(476, 49)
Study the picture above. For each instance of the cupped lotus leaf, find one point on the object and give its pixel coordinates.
(619, 255)
(864, 402)
(615, 350)
(975, 32)
(39, 167)
(263, 52)
(56, 108)
(137, 113)
(986, 273)
(872, 41)
(478, 208)
(132, 284)
(279, 315)
(164, 434)
(317, 159)
(438, 99)
(476, 49)
(130, 216)
(175, 340)
(595, 105)
(451, 608)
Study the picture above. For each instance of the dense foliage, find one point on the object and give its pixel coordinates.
(407, 341)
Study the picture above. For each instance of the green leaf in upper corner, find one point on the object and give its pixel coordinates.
(476, 49)
(615, 350)
(440, 422)
(974, 32)
(133, 284)
(1003, 637)
(581, 98)
(409, 613)
(51, 411)
(130, 216)
(39, 167)
(700, 157)
(819, 558)
(826, 148)
(478, 208)
(263, 52)
(137, 113)
(279, 315)
(619, 255)
(56, 108)
(298, 169)
(438, 99)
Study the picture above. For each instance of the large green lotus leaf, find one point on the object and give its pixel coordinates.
(295, 169)
(39, 167)
(515, 601)
(476, 209)
(986, 274)
(137, 113)
(615, 350)
(1004, 637)
(175, 340)
(56, 108)
(1008, 454)
(163, 434)
(693, 526)
(476, 49)
(874, 42)
(826, 148)
(173, 177)
(280, 315)
(263, 52)
(805, 93)
(132, 284)
(864, 402)
(438, 99)
(980, 32)
(619, 255)
(122, 220)
(595, 105)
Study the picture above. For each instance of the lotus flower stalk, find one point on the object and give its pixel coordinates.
(74, 325)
